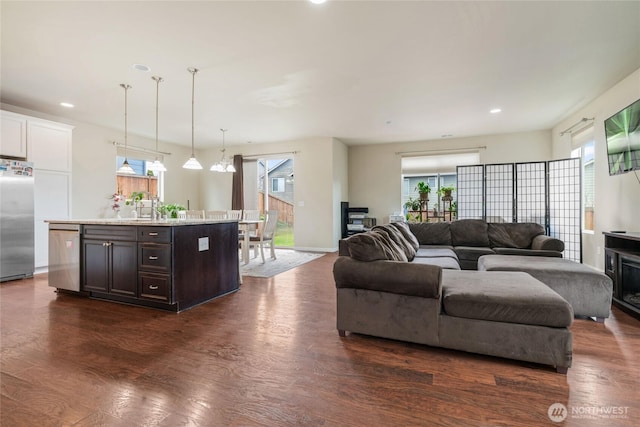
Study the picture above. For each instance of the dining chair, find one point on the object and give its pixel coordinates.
(234, 214)
(216, 214)
(251, 214)
(265, 235)
(194, 214)
(182, 214)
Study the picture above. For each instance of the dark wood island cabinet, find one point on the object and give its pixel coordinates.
(168, 264)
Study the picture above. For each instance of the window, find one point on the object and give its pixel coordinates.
(438, 171)
(585, 151)
(277, 185)
(144, 180)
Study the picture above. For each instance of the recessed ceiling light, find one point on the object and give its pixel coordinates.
(317, 1)
(141, 67)
(67, 104)
(495, 110)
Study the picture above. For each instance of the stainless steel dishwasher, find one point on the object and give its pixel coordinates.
(64, 256)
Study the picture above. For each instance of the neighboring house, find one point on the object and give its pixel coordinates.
(280, 174)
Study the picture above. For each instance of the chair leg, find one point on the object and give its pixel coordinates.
(273, 250)
(262, 252)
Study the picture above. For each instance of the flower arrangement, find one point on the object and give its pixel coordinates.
(116, 198)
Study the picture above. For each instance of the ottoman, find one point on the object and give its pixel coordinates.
(505, 314)
(588, 291)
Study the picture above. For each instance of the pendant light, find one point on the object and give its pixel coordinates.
(125, 168)
(192, 163)
(157, 165)
(223, 165)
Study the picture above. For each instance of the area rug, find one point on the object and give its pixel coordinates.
(286, 259)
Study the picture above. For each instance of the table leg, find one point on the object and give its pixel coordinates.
(245, 246)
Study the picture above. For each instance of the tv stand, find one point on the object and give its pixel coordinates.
(622, 265)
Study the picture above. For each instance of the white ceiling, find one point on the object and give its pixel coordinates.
(361, 71)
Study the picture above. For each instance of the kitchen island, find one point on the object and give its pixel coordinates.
(166, 264)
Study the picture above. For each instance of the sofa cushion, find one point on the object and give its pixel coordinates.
(436, 252)
(469, 232)
(513, 235)
(371, 246)
(470, 253)
(527, 252)
(398, 238)
(403, 228)
(511, 297)
(428, 233)
(448, 263)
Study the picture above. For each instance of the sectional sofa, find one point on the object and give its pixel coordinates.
(385, 289)
(470, 239)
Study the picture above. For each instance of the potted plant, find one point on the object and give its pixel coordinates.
(446, 190)
(412, 204)
(136, 196)
(170, 210)
(424, 190)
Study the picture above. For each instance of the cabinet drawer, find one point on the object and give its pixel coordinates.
(154, 286)
(110, 232)
(154, 234)
(154, 257)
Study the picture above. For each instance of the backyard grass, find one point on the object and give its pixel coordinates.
(284, 235)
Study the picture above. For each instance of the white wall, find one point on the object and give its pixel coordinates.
(617, 198)
(375, 170)
(340, 183)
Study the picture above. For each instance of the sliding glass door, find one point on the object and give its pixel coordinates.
(269, 186)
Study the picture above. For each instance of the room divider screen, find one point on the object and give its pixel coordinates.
(547, 193)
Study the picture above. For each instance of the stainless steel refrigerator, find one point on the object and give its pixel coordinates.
(16, 220)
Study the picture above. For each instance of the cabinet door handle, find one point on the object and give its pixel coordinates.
(153, 234)
(153, 258)
(153, 287)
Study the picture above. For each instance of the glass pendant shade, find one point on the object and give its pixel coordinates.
(192, 163)
(157, 165)
(224, 165)
(125, 169)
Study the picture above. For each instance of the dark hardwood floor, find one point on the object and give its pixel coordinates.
(270, 355)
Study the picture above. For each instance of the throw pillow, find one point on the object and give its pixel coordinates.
(396, 253)
(398, 239)
(366, 247)
(403, 228)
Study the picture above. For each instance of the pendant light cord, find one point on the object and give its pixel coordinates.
(157, 80)
(193, 72)
(126, 89)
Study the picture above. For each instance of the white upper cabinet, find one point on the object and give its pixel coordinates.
(49, 145)
(13, 136)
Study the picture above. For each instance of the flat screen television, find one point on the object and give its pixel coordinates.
(623, 140)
